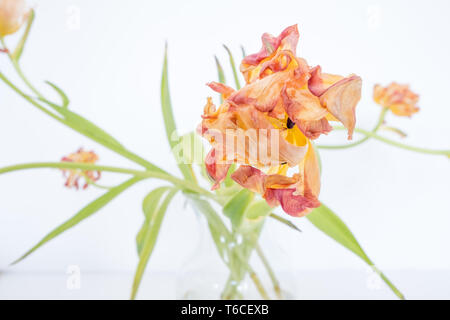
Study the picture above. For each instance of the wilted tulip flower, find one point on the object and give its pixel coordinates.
(398, 98)
(267, 125)
(13, 13)
(74, 175)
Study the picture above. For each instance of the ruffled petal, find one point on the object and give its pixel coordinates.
(320, 82)
(341, 99)
(309, 171)
(246, 136)
(263, 94)
(287, 39)
(314, 128)
(294, 205)
(249, 178)
(276, 189)
(221, 88)
(301, 104)
(216, 171)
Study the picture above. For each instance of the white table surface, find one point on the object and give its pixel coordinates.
(312, 284)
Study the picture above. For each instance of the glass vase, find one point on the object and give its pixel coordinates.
(261, 272)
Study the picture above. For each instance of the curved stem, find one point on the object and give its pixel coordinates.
(400, 145)
(19, 71)
(87, 167)
(91, 182)
(354, 144)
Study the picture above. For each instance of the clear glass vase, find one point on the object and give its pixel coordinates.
(206, 276)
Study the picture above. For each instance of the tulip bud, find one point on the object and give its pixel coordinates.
(13, 13)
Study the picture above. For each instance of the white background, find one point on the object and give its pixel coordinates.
(395, 201)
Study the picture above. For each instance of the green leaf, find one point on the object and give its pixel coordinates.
(254, 215)
(258, 210)
(220, 74)
(285, 221)
(85, 126)
(149, 206)
(84, 213)
(169, 121)
(62, 94)
(233, 67)
(235, 208)
(19, 48)
(150, 237)
(330, 224)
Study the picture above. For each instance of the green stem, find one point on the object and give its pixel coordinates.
(273, 278)
(357, 143)
(259, 285)
(401, 145)
(86, 167)
(20, 72)
(91, 182)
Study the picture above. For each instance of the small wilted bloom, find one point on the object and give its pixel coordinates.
(267, 125)
(74, 175)
(398, 98)
(13, 13)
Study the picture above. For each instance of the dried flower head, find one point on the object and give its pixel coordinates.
(398, 98)
(73, 176)
(267, 125)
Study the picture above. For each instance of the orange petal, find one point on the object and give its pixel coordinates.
(287, 39)
(276, 189)
(314, 128)
(249, 178)
(216, 171)
(320, 82)
(399, 98)
(294, 205)
(263, 94)
(301, 104)
(221, 88)
(309, 170)
(13, 14)
(341, 99)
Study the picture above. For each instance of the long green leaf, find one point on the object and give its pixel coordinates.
(87, 127)
(169, 121)
(233, 67)
(284, 221)
(330, 224)
(220, 74)
(149, 206)
(150, 238)
(236, 207)
(84, 213)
